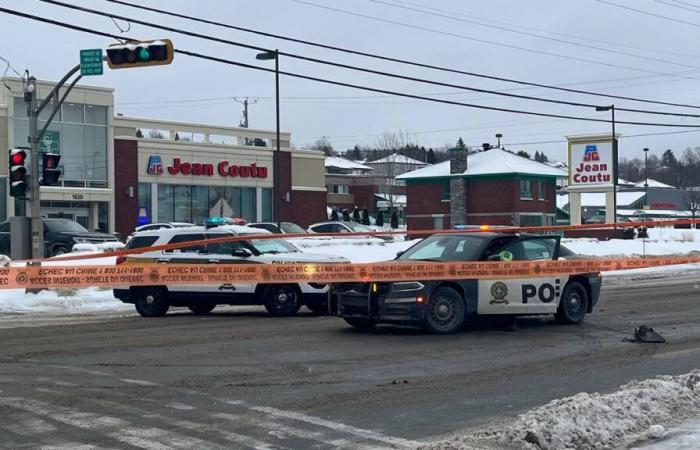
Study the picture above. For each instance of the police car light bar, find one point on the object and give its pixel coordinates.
(211, 222)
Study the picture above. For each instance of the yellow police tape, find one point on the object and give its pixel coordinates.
(165, 274)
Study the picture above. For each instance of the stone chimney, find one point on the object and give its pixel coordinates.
(458, 186)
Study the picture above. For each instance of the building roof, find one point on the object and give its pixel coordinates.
(492, 162)
(399, 199)
(654, 184)
(344, 163)
(396, 158)
(597, 199)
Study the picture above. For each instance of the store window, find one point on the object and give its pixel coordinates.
(266, 205)
(103, 216)
(525, 190)
(182, 203)
(200, 209)
(145, 199)
(248, 204)
(165, 202)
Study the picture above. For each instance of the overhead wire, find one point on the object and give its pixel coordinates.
(399, 60)
(648, 13)
(356, 68)
(341, 83)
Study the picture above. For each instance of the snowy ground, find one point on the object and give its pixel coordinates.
(635, 414)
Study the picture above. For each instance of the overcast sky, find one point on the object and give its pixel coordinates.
(646, 57)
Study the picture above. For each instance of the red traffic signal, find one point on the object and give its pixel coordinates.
(50, 172)
(18, 172)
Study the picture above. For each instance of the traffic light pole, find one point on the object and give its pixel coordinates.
(33, 111)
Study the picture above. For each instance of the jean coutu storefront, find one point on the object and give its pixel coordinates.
(175, 179)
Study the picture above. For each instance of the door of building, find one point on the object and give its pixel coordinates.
(80, 215)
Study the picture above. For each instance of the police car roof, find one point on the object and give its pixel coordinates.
(223, 229)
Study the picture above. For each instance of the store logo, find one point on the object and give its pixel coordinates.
(155, 165)
(223, 169)
(591, 153)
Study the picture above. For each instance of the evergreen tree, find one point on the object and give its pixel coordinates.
(334, 214)
(430, 156)
(394, 220)
(668, 159)
(356, 215)
(139, 133)
(365, 216)
(460, 143)
(537, 156)
(380, 219)
(523, 153)
(177, 136)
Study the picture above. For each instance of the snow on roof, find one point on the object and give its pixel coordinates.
(344, 163)
(654, 184)
(492, 162)
(398, 198)
(597, 199)
(623, 182)
(396, 158)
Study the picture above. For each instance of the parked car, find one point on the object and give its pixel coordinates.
(283, 228)
(59, 236)
(344, 227)
(444, 306)
(278, 299)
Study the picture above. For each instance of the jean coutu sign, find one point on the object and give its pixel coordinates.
(591, 164)
(222, 169)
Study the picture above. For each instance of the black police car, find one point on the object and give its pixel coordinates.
(443, 306)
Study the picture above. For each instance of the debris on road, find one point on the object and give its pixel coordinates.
(646, 335)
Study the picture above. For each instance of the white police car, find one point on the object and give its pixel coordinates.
(278, 299)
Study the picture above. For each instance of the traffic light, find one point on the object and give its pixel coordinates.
(49, 169)
(18, 172)
(140, 54)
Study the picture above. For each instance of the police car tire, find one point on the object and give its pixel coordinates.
(201, 308)
(275, 306)
(448, 298)
(573, 304)
(151, 302)
(360, 324)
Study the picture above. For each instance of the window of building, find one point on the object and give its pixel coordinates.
(200, 209)
(525, 190)
(165, 202)
(183, 203)
(541, 186)
(248, 204)
(266, 205)
(3, 199)
(527, 220)
(341, 189)
(144, 200)
(438, 223)
(73, 112)
(446, 191)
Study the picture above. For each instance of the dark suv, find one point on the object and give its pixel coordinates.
(59, 236)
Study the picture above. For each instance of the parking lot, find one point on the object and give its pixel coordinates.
(239, 378)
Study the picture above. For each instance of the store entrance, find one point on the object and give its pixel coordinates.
(80, 215)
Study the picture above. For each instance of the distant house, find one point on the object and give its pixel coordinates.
(500, 188)
(395, 164)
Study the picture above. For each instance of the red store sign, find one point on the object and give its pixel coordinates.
(224, 169)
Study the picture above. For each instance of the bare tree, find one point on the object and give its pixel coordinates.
(388, 144)
(692, 200)
(324, 145)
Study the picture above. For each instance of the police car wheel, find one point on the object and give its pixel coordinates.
(151, 302)
(445, 311)
(361, 324)
(282, 300)
(202, 308)
(573, 304)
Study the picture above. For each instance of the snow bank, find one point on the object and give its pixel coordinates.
(356, 250)
(592, 421)
(99, 247)
(63, 300)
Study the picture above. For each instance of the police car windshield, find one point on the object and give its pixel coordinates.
(273, 246)
(445, 248)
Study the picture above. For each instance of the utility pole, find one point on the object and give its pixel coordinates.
(244, 119)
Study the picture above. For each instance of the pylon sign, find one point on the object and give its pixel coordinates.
(591, 164)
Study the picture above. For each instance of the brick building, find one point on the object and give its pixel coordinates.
(491, 187)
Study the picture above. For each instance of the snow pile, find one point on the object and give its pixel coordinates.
(593, 421)
(4, 260)
(356, 250)
(67, 301)
(99, 247)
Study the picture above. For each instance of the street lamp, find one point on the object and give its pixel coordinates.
(611, 108)
(266, 56)
(499, 136)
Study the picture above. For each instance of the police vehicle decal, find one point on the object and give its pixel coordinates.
(520, 295)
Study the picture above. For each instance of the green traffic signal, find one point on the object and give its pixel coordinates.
(144, 54)
(140, 54)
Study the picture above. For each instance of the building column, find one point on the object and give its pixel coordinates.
(610, 213)
(154, 202)
(575, 208)
(458, 186)
(258, 204)
(93, 216)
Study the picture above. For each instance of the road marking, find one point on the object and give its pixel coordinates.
(180, 406)
(689, 351)
(159, 439)
(139, 382)
(367, 434)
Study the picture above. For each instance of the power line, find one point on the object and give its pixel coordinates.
(673, 5)
(403, 61)
(356, 68)
(617, 5)
(340, 83)
(587, 39)
(486, 41)
(526, 33)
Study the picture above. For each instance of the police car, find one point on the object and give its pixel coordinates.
(445, 306)
(278, 299)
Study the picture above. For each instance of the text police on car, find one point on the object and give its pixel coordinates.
(444, 306)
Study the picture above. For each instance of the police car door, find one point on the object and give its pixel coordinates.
(535, 295)
(195, 254)
(233, 252)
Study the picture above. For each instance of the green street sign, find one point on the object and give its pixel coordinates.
(51, 142)
(91, 62)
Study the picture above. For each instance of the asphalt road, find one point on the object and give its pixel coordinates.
(241, 379)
